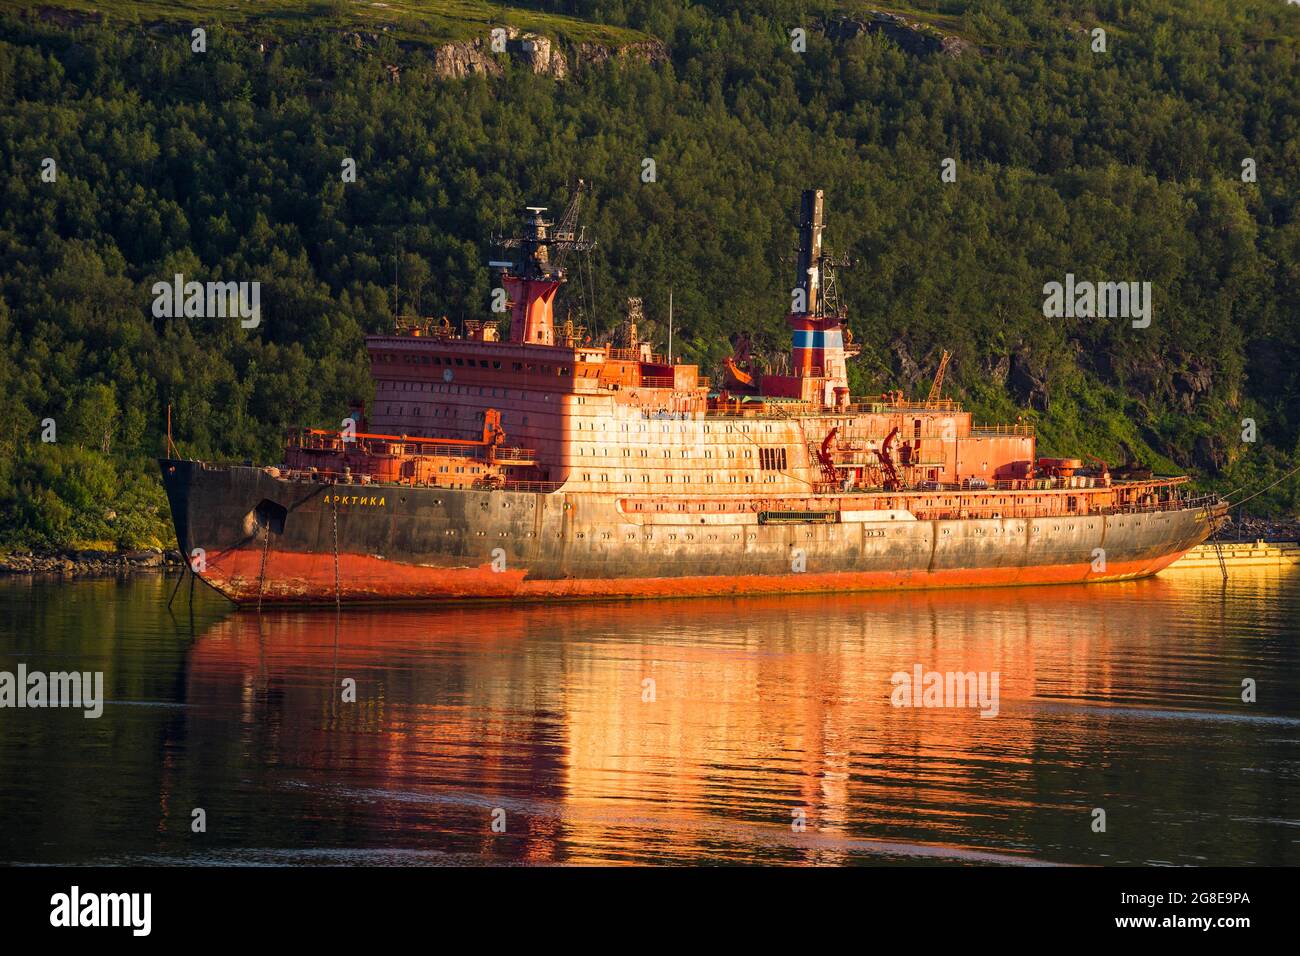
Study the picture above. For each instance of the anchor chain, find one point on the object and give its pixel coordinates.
(261, 576)
(335, 516)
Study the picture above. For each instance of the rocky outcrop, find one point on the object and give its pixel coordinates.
(908, 371)
(455, 61)
(1028, 384)
(647, 51)
(1192, 382)
(1208, 454)
(542, 55)
(912, 36)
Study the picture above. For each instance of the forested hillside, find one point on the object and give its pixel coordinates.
(1123, 165)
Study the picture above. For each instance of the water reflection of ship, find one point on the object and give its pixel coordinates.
(761, 705)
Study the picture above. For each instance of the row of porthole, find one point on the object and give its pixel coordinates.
(650, 537)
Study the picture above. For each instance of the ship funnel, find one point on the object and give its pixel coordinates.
(816, 319)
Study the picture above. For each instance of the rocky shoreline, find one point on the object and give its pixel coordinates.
(75, 563)
(1247, 528)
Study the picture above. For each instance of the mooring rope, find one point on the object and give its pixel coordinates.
(1262, 490)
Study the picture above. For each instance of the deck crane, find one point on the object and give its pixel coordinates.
(937, 388)
(886, 458)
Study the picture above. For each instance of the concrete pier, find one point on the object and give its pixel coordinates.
(1241, 554)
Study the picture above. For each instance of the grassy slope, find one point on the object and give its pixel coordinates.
(429, 21)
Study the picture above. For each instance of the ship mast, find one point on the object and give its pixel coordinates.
(533, 281)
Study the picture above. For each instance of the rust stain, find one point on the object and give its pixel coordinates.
(309, 578)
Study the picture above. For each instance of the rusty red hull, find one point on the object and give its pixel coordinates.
(299, 578)
(260, 539)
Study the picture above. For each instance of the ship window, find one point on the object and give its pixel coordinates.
(460, 361)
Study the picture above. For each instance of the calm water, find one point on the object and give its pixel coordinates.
(1122, 697)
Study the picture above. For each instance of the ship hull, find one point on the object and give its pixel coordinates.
(264, 539)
